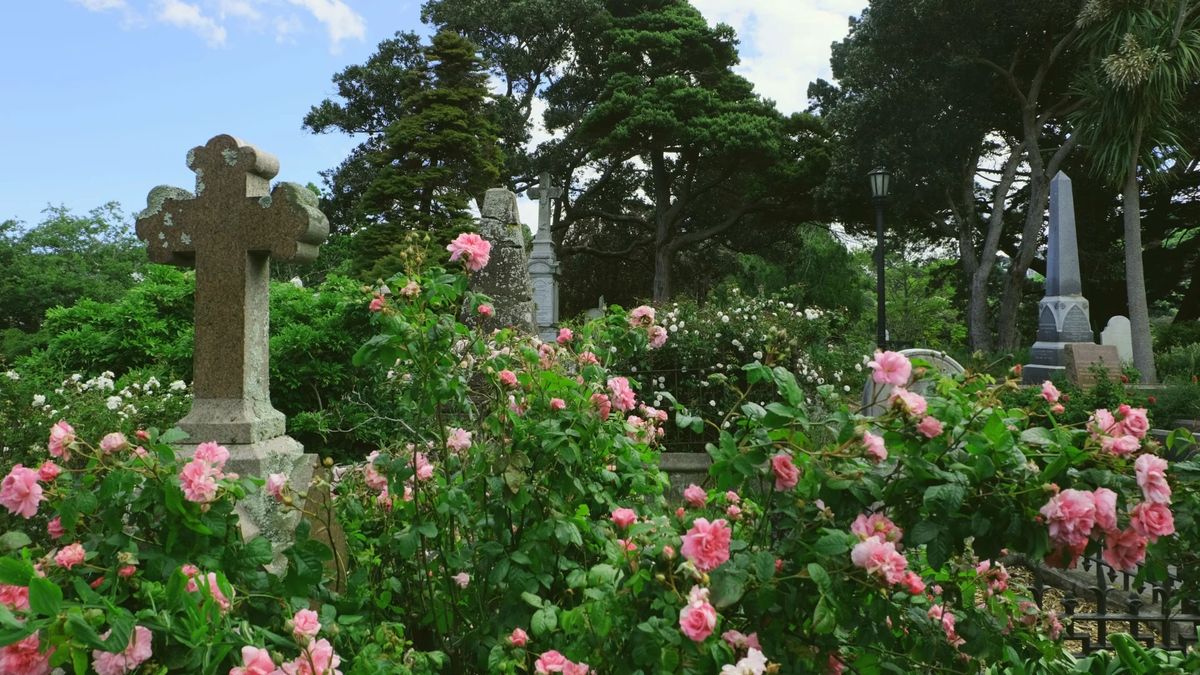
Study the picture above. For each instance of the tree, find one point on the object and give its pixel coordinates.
(1145, 56)
(653, 102)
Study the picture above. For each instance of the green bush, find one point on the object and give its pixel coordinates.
(1177, 334)
(1179, 364)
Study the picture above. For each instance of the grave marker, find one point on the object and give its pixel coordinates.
(1119, 334)
(506, 277)
(543, 263)
(875, 395)
(1082, 357)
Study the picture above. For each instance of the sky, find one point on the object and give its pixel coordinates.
(100, 100)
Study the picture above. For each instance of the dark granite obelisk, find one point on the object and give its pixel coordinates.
(1063, 312)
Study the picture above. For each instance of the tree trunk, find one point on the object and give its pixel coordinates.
(978, 331)
(663, 257)
(1135, 280)
(663, 254)
(1014, 281)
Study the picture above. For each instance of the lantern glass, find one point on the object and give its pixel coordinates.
(880, 183)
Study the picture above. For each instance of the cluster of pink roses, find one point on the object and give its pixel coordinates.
(554, 662)
(894, 368)
(316, 656)
(643, 317)
(1052, 395)
(698, 619)
(1119, 436)
(1075, 516)
(199, 477)
(472, 249)
(647, 427)
(457, 440)
(877, 552)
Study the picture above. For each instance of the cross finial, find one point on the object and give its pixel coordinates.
(545, 193)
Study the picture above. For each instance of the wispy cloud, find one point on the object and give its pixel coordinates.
(239, 9)
(341, 22)
(190, 17)
(103, 5)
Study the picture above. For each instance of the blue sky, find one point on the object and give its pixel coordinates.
(103, 98)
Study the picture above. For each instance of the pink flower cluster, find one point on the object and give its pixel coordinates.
(621, 394)
(316, 656)
(137, 652)
(20, 491)
(25, 657)
(876, 525)
(995, 575)
(1051, 394)
(880, 557)
(706, 544)
(891, 368)
(554, 662)
(646, 428)
(698, 618)
(473, 249)
(199, 477)
(642, 317)
(946, 620)
(1120, 434)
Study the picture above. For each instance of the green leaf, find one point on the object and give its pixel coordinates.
(821, 578)
(728, 584)
(833, 543)
(544, 621)
(15, 572)
(532, 600)
(45, 597)
(944, 499)
(824, 618)
(14, 539)
(172, 435)
(785, 381)
(1037, 436)
(257, 552)
(924, 532)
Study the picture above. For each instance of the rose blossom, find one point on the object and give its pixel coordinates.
(126, 571)
(275, 483)
(458, 440)
(1152, 520)
(462, 579)
(624, 517)
(912, 402)
(1102, 422)
(411, 290)
(641, 317)
(698, 619)
(588, 359)
(876, 525)
(732, 497)
(658, 337)
(1106, 508)
(317, 658)
(564, 336)
(508, 378)
(518, 638)
(603, 405)
(212, 453)
(472, 248)
(1125, 549)
(1050, 392)
(695, 496)
(1120, 445)
(891, 368)
(14, 597)
(255, 661)
(137, 652)
(424, 470)
(305, 625)
(55, 528)
(707, 544)
(879, 557)
(930, 427)
(20, 492)
(913, 583)
(372, 477)
(113, 442)
(1152, 478)
(786, 473)
(48, 471)
(623, 398)
(557, 404)
(1070, 514)
(874, 445)
(198, 479)
(214, 590)
(550, 662)
(25, 657)
(737, 640)
(62, 435)
(376, 304)
(69, 556)
(486, 311)
(1134, 420)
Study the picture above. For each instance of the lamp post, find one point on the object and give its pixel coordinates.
(881, 181)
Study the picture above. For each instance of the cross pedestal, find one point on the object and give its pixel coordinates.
(543, 263)
(229, 230)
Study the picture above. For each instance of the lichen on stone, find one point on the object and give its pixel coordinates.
(265, 201)
(231, 157)
(159, 195)
(185, 239)
(168, 221)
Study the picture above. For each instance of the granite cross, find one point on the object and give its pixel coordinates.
(545, 193)
(229, 230)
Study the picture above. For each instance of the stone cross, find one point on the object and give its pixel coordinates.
(543, 262)
(1063, 312)
(229, 230)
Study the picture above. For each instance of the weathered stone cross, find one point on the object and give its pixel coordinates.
(545, 193)
(543, 263)
(229, 230)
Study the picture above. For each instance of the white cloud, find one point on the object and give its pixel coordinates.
(184, 15)
(286, 27)
(241, 9)
(102, 5)
(785, 43)
(340, 21)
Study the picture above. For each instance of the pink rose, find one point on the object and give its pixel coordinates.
(126, 571)
(1050, 392)
(1152, 478)
(508, 378)
(275, 483)
(411, 290)
(55, 528)
(1106, 508)
(472, 248)
(372, 477)
(623, 398)
(695, 496)
(876, 525)
(658, 337)
(1102, 422)
(874, 445)
(557, 404)
(707, 544)
(48, 471)
(1125, 549)
(305, 625)
(641, 317)
(786, 473)
(623, 517)
(25, 657)
(913, 403)
(734, 512)
(1152, 520)
(486, 311)
(518, 638)
(564, 336)
(424, 469)
(317, 658)
(1058, 409)
(881, 558)
(198, 479)
(588, 359)
(14, 597)
(572, 668)
(930, 427)
(913, 583)
(214, 590)
(113, 442)
(891, 368)
(137, 652)
(668, 551)
(376, 304)
(1134, 420)
(462, 579)
(1120, 445)
(20, 492)
(458, 440)
(212, 453)
(603, 405)
(69, 556)
(698, 619)
(739, 641)
(255, 661)
(550, 662)
(62, 436)
(732, 497)
(1070, 515)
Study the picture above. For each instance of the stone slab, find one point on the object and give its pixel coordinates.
(1083, 356)
(1119, 333)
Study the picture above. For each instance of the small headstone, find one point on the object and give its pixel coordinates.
(1083, 357)
(597, 312)
(229, 230)
(543, 263)
(1063, 312)
(1119, 334)
(875, 395)
(506, 277)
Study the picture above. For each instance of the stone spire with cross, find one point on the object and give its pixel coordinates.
(543, 263)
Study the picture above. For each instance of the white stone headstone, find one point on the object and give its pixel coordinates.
(1118, 334)
(875, 395)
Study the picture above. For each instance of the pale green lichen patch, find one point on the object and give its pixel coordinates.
(231, 157)
(185, 239)
(191, 158)
(265, 201)
(168, 221)
(199, 182)
(159, 196)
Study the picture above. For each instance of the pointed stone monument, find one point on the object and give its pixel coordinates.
(1063, 315)
(506, 277)
(229, 231)
(543, 263)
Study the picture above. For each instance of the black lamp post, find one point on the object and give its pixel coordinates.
(880, 184)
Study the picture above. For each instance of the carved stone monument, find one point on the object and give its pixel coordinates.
(1082, 359)
(506, 277)
(1119, 334)
(543, 263)
(229, 230)
(1063, 312)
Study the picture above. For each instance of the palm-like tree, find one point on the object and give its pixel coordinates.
(1145, 55)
